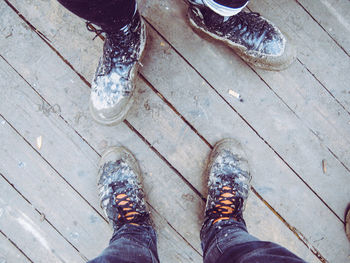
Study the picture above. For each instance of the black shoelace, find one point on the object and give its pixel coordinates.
(119, 45)
(91, 28)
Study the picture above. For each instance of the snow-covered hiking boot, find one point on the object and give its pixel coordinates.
(252, 37)
(114, 82)
(120, 190)
(228, 182)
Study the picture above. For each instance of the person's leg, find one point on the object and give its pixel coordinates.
(121, 198)
(228, 241)
(131, 244)
(252, 37)
(111, 13)
(113, 85)
(224, 234)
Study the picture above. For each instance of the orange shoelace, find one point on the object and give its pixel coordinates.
(226, 207)
(127, 214)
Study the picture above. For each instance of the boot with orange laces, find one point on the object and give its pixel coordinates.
(120, 189)
(134, 239)
(224, 235)
(229, 182)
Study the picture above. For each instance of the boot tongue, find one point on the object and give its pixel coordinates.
(128, 26)
(212, 19)
(124, 42)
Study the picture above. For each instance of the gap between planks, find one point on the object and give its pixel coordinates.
(324, 29)
(64, 179)
(331, 49)
(13, 244)
(331, 154)
(27, 200)
(242, 117)
(73, 129)
(284, 221)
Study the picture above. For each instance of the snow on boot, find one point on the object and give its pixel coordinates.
(120, 191)
(228, 182)
(114, 82)
(252, 37)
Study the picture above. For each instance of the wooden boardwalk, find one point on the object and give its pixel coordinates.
(294, 126)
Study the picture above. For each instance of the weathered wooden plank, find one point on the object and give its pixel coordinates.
(170, 242)
(9, 253)
(88, 168)
(314, 107)
(188, 154)
(311, 101)
(303, 94)
(72, 156)
(287, 238)
(317, 51)
(75, 160)
(62, 206)
(172, 247)
(272, 178)
(264, 112)
(22, 224)
(261, 223)
(327, 119)
(316, 168)
(261, 226)
(333, 16)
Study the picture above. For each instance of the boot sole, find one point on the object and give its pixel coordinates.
(122, 115)
(240, 50)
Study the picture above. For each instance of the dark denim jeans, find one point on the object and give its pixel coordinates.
(131, 244)
(229, 241)
(225, 242)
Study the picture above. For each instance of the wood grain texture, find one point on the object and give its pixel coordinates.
(262, 231)
(156, 109)
(334, 17)
(49, 193)
(266, 114)
(20, 221)
(9, 252)
(76, 162)
(304, 94)
(272, 178)
(317, 51)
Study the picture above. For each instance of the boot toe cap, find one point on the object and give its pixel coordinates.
(110, 99)
(277, 55)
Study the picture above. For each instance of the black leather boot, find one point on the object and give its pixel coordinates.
(252, 37)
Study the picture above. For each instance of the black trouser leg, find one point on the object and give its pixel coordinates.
(104, 13)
